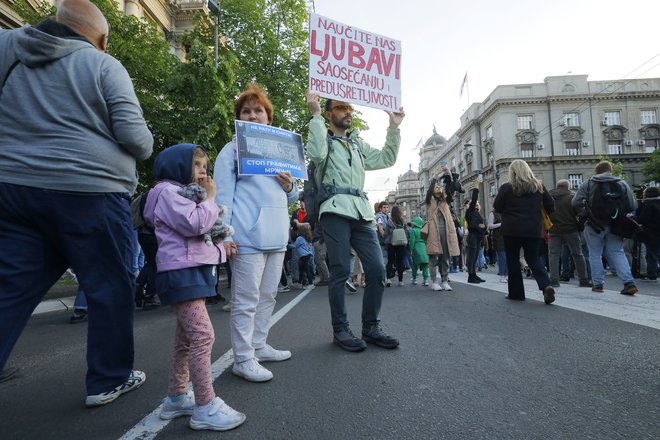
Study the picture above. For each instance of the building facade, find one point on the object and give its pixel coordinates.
(561, 127)
(407, 195)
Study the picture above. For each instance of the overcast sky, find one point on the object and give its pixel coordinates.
(497, 42)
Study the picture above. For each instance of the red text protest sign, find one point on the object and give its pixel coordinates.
(353, 65)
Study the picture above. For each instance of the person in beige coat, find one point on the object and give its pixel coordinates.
(442, 241)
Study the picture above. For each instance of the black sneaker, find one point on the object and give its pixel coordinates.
(629, 289)
(79, 315)
(598, 288)
(473, 279)
(585, 283)
(347, 340)
(565, 279)
(549, 295)
(481, 280)
(375, 335)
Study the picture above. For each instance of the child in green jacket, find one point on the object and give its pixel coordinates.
(418, 251)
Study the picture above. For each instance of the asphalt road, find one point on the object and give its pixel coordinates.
(471, 365)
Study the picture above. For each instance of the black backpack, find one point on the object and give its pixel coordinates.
(137, 211)
(609, 203)
(314, 193)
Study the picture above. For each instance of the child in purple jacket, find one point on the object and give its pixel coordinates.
(186, 276)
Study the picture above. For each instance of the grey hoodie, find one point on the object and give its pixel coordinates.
(581, 195)
(69, 117)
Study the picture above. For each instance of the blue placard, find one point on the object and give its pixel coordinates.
(267, 150)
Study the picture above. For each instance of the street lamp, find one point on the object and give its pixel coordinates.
(489, 151)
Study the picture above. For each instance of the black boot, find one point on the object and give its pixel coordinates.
(472, 278)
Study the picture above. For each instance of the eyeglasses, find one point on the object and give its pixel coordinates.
(343, 108)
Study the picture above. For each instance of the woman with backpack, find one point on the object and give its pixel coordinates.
(520, 202)
(397, 248)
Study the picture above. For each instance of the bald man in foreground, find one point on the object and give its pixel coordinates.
(71, 129)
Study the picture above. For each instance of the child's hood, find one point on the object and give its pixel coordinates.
(175, 163)
(418, 222)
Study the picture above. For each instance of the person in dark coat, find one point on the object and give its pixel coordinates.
(565, 230)
(520, 202)
(648, 217)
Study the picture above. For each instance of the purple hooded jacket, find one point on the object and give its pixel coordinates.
(180, 223)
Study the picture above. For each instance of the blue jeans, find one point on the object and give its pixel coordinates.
(501, 263)
(42, 233)
(611, 247)
(80, 303)
(340, 234)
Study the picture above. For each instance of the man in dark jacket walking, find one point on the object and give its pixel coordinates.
(565, 230)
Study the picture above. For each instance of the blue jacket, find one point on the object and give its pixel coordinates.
(179, 223)
(301, 247)
(257, 206)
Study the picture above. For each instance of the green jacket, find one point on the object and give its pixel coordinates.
(347, 166)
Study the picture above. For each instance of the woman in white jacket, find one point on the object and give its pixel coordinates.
(258, 212)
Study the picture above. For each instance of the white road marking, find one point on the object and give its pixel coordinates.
(151, 425)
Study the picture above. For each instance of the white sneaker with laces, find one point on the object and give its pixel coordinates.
(133, 382)
(436, 286)
(216, 416)
(503, 279)
(446, 286)
(182, 407)
(269, 354)
(252, 371)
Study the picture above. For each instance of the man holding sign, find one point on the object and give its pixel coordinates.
(347, 216)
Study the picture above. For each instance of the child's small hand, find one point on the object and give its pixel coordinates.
(209, 185)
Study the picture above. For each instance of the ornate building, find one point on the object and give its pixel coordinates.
(407, 194)
(561, 127)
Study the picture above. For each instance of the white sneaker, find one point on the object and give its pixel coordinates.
(182, 407)
(436, 286)
(216, 416)
(251, 370)
(400, 283)
(226, 307)
(269, 354)
(446, 286)
(133, 382)
(503, 279)
(425, 283)
(351, 286)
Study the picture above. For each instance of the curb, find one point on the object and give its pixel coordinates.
(53, 305)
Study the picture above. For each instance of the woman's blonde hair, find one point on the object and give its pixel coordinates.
(522, 179)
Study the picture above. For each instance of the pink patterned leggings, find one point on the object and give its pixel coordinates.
(191, 357)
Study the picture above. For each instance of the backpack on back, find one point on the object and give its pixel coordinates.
(314, 192)
(609, 203)
(137, 211)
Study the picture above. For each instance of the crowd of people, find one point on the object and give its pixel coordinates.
(66, 203)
